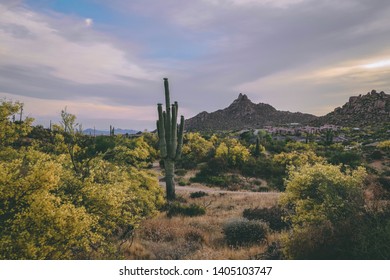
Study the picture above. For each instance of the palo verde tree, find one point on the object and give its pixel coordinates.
(11, 130)
(170, 136)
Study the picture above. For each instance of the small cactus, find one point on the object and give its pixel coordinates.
(112, 130)
(257, 148)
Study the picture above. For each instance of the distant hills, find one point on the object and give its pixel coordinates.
(243, 113)
(91, 131)
(370, 109)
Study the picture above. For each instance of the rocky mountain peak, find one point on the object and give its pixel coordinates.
(241, 97)
(243, 113)
(369, 109)
(241, 100)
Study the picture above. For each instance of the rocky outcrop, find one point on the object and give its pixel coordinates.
(243, 113)
(371, 109)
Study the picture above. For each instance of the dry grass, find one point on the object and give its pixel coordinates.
(198, 237)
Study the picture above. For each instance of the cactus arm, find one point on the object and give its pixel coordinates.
(174, 131)
(167, 98)
(168, 129)
(180, 138)
(161, 131)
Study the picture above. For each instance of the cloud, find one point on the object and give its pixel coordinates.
(301, 55)
(44, 110)
(54, 53)
(86, 62)
(251, 3)
(319, 90)
(378, 64)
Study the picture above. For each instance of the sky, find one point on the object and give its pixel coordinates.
(105, 60)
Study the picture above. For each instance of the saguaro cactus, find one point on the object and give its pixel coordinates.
(170, 136)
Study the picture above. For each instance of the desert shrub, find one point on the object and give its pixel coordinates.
(232, 152)
(257, 182)
(273, 252)
(261, 168)
(350, 158)
(49, 213)
(318, 242)
(223, 181)
(373, 236)
(179, 198)
(181, 172)
(263, 189)
(384, 145)
(183, 182)
(198, 194)
(241, 232)
(219, 180)
(196, 148)
(175, 250)
(176, 209)
(325, 208)
(194, 236)
(157, 231)
(212, 168)
(273, 216)
(384, 182)
(376, 155)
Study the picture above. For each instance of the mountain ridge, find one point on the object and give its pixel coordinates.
(372, 108)
(243, 113)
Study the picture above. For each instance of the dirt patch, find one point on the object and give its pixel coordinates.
(199, 237)
(380, 165)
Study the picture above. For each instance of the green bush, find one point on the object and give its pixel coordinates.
(223, 181)
(273, 216)
(325, 209)
(350, 158)
(273, 252)
(198, 194)
(373, 236)
(241, 232)
(183, 182)
(177, 209)
(181, 172)
(385, 182)
(194, 236)
(376, 155)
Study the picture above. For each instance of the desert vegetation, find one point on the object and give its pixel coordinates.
(237, 194)
(64, 195)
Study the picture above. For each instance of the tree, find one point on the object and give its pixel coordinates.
(384, 145)
(56, 206)
(48, 212)
(324, 203)
(196, 148)
(35, 223)
(297, 159)
(232, 152)
(170, 140)
(135, 152)
(69, 125)
(10, 131)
